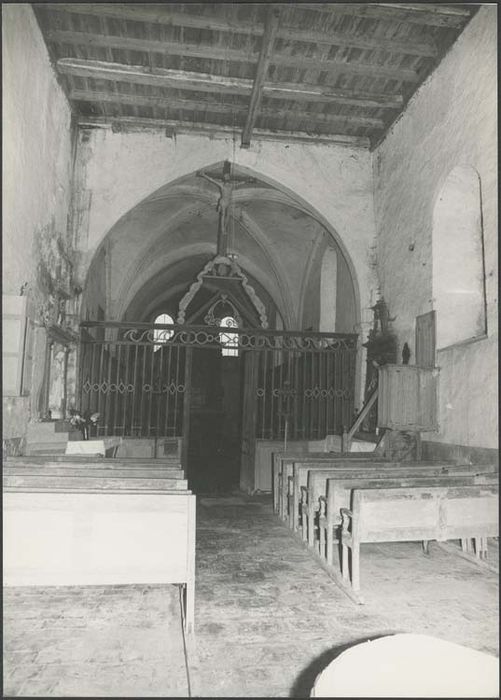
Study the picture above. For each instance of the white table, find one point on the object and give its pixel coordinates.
(106, 446)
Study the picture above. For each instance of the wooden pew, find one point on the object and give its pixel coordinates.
(117, 482)
(91, 461)
(300, 472)
(98, 470)
(286, 461)
(416, 514)
(338, 495)
(98, 530)
(278, 458)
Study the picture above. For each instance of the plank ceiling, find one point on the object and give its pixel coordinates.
(309, 72)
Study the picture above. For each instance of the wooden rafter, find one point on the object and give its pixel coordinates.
(433, 15)
(270, 30)
(332, 69)
(314, 118)
(177, 48)
(173, 127)
(206, 82)
(163, 14)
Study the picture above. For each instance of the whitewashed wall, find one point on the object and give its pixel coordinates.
(36, 168)
(450, 122)
(118, 170)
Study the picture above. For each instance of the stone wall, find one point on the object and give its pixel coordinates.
(450, 122)
(37, 166)
(119, 170)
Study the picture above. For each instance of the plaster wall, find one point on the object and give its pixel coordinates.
(36, 144)
(119, 170)
(36, 171)
(451, 121)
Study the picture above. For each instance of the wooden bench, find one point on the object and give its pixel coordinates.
(91, 461)
(96, 536)
(96, 471)
(285, 465)
(278, 459)
(117, 482)
(300, 472)
(338, 495)
(417, 514)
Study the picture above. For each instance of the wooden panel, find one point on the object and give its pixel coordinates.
(426, 339)
(13, 343)
(407, 398)
(95, 482)
(93, 539)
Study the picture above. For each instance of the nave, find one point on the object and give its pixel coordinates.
(268, 618)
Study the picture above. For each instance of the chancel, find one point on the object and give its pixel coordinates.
(250, 342)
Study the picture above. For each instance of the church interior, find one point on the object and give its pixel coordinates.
(250, 350)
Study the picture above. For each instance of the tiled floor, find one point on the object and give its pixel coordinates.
(268, 618)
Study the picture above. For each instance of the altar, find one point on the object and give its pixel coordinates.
(105, 446)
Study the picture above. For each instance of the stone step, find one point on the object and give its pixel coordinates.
(126, 472)
(94, 484)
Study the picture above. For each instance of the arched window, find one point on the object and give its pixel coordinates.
(458, 261)
(229, 341)
(162, 335)
(328, 290)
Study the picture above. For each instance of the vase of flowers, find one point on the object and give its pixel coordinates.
(84, 421)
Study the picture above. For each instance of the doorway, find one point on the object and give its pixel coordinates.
(215, 421)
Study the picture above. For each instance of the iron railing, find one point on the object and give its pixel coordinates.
(303, 381)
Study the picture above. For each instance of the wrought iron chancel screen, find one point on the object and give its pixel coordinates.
(139, 381)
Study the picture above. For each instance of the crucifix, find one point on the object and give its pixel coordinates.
(226, 184)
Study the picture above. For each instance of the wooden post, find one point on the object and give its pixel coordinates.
(48, 364)
(65, 382)
(344, 440)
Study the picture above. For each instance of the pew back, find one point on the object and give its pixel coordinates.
(431, 512)
(90, 483)
(286, 463)
(144, 472)
(339, 491)
(300, 471)
(280, 458)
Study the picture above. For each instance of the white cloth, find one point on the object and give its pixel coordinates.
(104, 446)
(409, 665)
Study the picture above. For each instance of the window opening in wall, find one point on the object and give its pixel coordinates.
(229, 341)
(458, 259)
(162, 335)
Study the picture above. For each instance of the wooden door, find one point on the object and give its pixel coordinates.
(425, 339)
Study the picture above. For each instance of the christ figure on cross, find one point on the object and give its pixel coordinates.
(226, 186)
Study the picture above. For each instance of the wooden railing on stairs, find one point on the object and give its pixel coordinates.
(347, 436)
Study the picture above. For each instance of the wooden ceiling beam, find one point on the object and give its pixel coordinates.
(313, 118)
(163, 14)
(173, 127)
(451, 16)
(205, 82)
(270, 30)
(88, 39)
